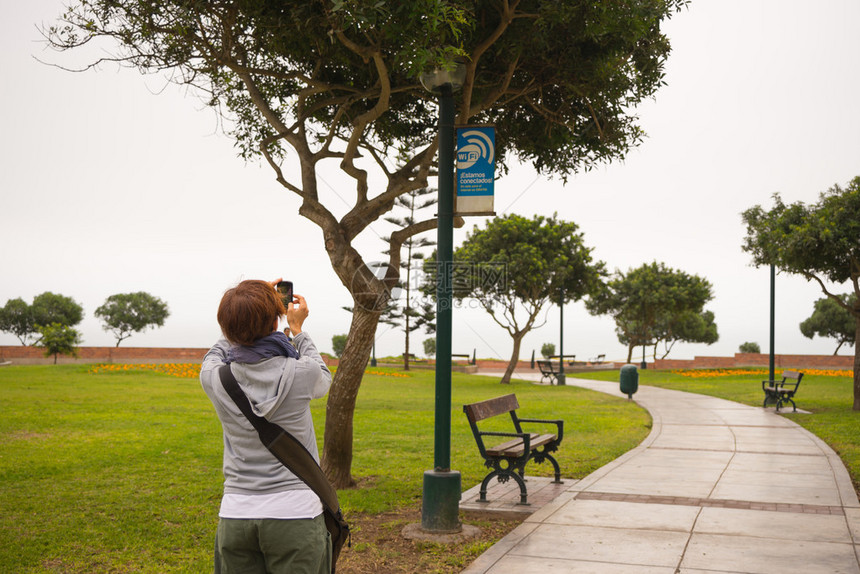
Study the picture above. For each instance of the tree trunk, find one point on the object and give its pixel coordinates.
(515, 357)
(406, 354)
(630, 353)
(857, 364)
(340, 406)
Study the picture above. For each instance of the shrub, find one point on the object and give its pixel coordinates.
(749, 348)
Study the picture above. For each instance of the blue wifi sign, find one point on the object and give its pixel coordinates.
(476, 169)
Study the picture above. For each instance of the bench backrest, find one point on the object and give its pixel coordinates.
(490, 408)
(793, 375)
(545, 367)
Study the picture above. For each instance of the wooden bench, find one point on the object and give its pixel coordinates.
(782, 391)
(508, 459)
(470, 358)
(548, 369)
(598, 360)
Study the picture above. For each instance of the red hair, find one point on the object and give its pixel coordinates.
(248, 311)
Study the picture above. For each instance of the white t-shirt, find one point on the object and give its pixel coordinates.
(286, 505)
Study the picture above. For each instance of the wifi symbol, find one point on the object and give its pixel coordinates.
(478, 145)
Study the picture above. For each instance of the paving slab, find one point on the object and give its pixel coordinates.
(716, 487)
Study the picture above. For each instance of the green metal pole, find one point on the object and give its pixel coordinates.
(445, 253)
(772, 319)
(561, 377)
(440, 505)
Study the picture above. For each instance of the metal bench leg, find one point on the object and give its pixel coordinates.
(557, 469)
(524, 495)
(483, 496)
(503, 476)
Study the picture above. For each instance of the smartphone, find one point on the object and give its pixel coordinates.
(285, 288)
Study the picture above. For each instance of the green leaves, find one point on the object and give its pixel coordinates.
(832, 319)
(820, 240)
(539, 257)
(654, 303)
(59, 339)
(126, 313)
(16, 317)
(51, 308)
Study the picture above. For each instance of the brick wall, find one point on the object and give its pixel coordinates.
(22, 355)
(760, 360)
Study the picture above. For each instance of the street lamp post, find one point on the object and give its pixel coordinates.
(772, 320)
(441, 495)
(561, 379)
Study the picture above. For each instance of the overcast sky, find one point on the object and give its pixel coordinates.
(113, 182)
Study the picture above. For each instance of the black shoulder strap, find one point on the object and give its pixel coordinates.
(283, 445)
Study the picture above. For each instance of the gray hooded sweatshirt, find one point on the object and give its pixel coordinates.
(280, 390)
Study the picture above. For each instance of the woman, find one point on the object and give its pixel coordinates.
(270, 521)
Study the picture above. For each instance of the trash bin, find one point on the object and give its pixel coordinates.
(629, 380)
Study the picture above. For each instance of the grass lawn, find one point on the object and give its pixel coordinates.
(120, 471)
(827, 398)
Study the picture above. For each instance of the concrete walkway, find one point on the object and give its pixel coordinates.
(716, 487)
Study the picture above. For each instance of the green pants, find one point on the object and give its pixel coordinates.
(271, 546)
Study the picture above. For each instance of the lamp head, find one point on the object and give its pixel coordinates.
(436, 80)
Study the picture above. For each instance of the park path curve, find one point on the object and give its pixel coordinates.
(716, 487)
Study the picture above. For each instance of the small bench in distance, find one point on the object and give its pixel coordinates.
(782, 391)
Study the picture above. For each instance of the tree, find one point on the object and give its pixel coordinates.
(338, 343)
(59, 339)
(516, 263)
(689, 326)
(749, 348)
(126, 313)
(430, 346)
(816, 241)
(830, 319)
(547, 350)
(654, 303)
(323, 81)
(16, 317)
(414, 314)
(49, 308)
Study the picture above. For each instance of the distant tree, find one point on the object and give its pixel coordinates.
(407, 312)
(49, 308)
(338, 343)
(430, 347)
(547, 350)
(516, 263)
(126, 313)
(59, 339)
(16, 317)
(818, 242)
(654, 303)
(832, 319)
(688, 326)
(749, 348)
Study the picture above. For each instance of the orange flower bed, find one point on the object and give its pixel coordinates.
(184, 370)
(710, 373)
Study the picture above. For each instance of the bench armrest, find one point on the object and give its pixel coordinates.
(522, 435)
(773, 384)
(558, 423)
